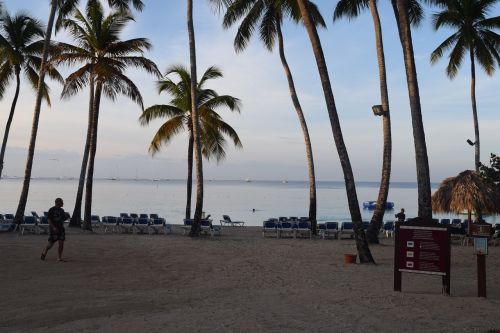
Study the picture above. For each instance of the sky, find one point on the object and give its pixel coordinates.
(273, 146)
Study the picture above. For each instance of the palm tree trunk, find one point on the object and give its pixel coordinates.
(422, 163)
(87, 225)
(9, 120)
(189, 190)
(474, 109)
(36, 116)
(364, 253)
(195, 230)
(77, 211)
(378, 214)
(305, 131)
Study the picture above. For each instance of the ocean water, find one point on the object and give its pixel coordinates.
(236, 198)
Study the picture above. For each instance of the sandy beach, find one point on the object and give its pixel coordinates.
(238, 282)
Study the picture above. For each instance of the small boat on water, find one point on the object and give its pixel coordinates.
(373, 204)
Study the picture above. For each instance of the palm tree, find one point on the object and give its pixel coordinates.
(422, 162)
(179, 118)
(63, 8)
(268, 14)
(365, 255)
(21, 42)
(104, 57)
(350, 9)
(473, 33)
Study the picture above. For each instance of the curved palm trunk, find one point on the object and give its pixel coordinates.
(36, 116)
(305, 131)
(195, 230)
(189, 190)
(474, 109)
(423, 175)
(87, 225)
(9, 120)
(364, 253)
(378, 214)
(76, 218)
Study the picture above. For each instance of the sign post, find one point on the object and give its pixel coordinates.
(481, 231)
(423, 247)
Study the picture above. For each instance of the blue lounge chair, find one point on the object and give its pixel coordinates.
(134, 216)
(143, 216)
(159, 224)
(124, 215)
(153, 216)
(346, 228)
(445, 221)
(30, 224)
(331, 230)
(227, 220)
(109, 223)
(127, 224)
(286, 229)
(456, 222)
(43, 225)
(142, 225)
(95, 221)
(304, 228)
(388, 229)
(270, 227)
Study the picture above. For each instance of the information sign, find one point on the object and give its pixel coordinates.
(422, 247)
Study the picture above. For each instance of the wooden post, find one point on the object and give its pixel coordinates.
(397, 273)
(481, 275)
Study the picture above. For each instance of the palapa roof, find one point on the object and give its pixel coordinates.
(465, 192)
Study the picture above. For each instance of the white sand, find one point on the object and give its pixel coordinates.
(239, 282)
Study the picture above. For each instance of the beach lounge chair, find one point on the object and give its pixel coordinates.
(154, 216)
(158, 224)
(43, 225)
(143, 216)
(142, 225)
(35, 215)
(286, 229)
(388, 229)
(188, 223)
(304, 219)
(206, 226)
(109, 223)
(456, 222)
(227, 220)
(127, 224)
(134, 216)
(29, 224)
(445, 221)
(331, 230)
(9, 217)
(282, 219)
(294, 219)
(270, 227)
(346, 228)
(124, 215)
(95, 221)
(46, 214)
(303, 228)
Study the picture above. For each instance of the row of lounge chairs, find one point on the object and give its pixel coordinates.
(132, 223)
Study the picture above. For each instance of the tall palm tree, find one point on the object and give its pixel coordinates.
(422, 162)
(179, 118)
(350, 9)
(364, 253)
(104, 57)
(21, 44)
(473, 33)
(268, 15)
(63, 8)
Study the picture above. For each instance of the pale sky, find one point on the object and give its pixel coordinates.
(267, 125)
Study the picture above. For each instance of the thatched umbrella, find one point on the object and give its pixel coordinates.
(465, 192)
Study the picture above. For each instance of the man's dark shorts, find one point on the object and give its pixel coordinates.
(56, 236)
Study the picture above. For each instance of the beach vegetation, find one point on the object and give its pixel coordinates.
(268, 16)
(21, 45)
(104, 57)
(364, 252)
(473, 36)
(213, 129)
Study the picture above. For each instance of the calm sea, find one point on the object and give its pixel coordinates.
(236, 198)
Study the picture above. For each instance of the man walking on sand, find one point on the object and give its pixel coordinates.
(57, 233)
